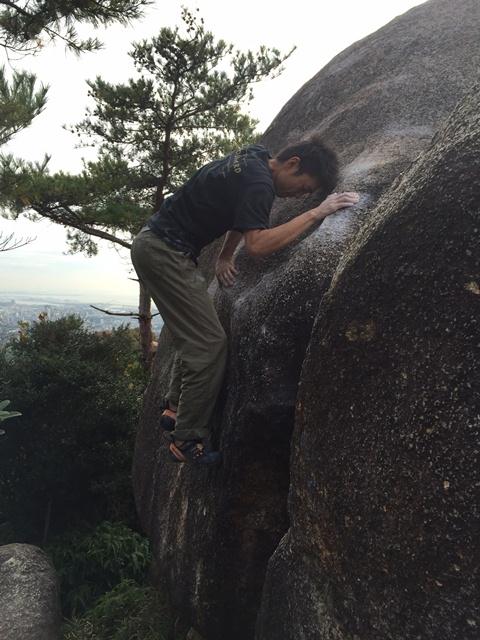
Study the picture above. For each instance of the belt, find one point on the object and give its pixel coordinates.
(177, 245)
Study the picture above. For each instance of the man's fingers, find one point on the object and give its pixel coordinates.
(345, 201)
(226, 279)
(352, 200)
(226, 273)
(232, 272)
(351, 195)
(337, 201)
(225, 283)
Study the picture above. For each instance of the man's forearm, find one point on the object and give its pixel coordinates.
(267, 241)
(231, 242)
(263, 242)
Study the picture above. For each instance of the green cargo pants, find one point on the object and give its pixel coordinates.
(180, 292)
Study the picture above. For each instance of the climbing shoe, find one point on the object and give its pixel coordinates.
(168, 418)
(192, 452)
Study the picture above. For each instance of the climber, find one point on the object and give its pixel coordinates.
(233, 195)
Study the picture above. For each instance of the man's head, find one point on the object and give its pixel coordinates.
(303, 168)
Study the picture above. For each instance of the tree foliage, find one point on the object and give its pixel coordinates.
(26, 26)
(20, 101)
(184, 106)
(70, 450)
(70, 200)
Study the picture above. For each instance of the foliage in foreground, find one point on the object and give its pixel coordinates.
(105, 590)
(91, 563)
(67, 458)
(128, 612)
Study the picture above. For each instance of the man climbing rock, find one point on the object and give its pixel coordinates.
(233, 195)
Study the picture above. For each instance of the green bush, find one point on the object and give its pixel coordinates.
(67, 458)
(128, 612)
(91, 563)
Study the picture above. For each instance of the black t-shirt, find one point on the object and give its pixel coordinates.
(235, 192)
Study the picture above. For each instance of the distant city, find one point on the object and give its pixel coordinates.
(15, 308)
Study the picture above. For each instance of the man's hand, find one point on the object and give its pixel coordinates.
(334, 202)
(225, 271)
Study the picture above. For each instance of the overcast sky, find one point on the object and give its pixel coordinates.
(320, 30)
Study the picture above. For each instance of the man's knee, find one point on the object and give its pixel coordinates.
(203, 353)
(215, 347)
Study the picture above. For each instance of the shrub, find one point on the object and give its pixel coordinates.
(67, 458)
(128, 612)
(91, 563)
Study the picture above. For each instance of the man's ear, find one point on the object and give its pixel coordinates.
(293, 163)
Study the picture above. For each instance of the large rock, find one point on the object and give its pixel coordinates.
(213, 531)
(384, 507)
(29, 599)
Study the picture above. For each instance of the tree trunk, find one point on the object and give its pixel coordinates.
(145, 302)
(145, 326)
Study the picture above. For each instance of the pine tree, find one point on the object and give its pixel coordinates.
(182, 108)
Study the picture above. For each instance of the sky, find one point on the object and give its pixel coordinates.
(319, 30)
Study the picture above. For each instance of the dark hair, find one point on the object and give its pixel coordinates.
(316, 159)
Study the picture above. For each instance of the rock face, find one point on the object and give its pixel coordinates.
(380, 101)
(213, 531)
(29, 606)
(384, 493)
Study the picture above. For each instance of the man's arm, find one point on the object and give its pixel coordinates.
(263, 242)
(225, 268)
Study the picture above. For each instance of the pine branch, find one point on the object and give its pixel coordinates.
(21, 27)
(124, 314)
(72, 221)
